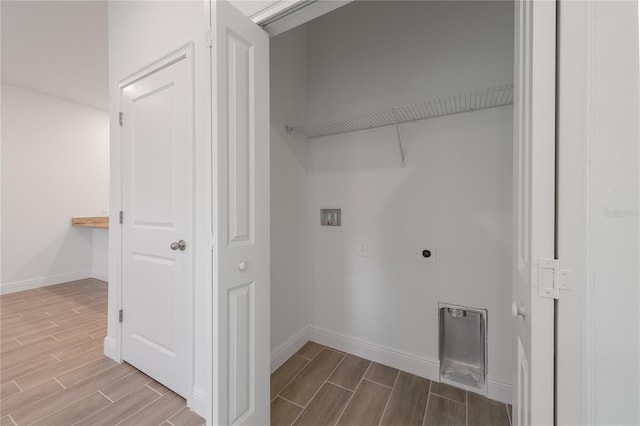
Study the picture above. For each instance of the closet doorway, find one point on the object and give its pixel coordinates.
(393, 134)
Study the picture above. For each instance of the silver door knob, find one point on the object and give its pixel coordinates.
(242, 266)
(179, 245)
(517, 311)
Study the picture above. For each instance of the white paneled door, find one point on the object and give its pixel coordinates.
(157, 230)
(534, 211)
(240, 82)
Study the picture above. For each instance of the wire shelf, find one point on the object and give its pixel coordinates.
(466, 102)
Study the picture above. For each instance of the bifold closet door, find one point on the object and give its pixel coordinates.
(240, 89)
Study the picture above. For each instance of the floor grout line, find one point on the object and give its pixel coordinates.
(102, 393)
(150, 387)
(426, 408)
(60, 383)
(377, 383)
(354, 392)
(11, 418)
(339, 386)
(55, 357)
(293, 378)
(141, 408)
(320, 387)
(447, 398)
(466, 408)
(16, 383)
(390, 395)
(288, 400)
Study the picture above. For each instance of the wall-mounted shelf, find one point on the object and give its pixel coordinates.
(455, 104)
(91, 222)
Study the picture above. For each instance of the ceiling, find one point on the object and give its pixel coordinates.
(57, 47)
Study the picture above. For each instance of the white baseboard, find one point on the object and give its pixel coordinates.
(111, 349)
(200, 402)
(499, 391)
(288, 348)
(30, 284)
(411, 363)
(100, 275)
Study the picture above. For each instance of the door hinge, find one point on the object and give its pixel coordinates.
(551, 279)
(121, 217)
(120, 315)
(208, 38)
(210, 241)
(120, 118)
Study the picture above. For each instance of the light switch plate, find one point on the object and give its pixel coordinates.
(363, 249)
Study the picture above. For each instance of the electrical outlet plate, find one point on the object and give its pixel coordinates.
(363, 249)
(431, 248)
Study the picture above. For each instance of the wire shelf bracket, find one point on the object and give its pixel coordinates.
(438, 107)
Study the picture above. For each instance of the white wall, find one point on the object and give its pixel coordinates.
(378, 54)
(289, 298)
(55, 165)
(454, 193)
(612, 366)
(100, 253)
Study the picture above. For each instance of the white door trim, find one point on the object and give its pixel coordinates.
(572, 349)
(184, 52)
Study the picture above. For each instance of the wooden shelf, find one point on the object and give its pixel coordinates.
(91, 222)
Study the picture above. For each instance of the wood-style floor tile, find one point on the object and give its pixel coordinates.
(78, 374)
(161, 389)
(285, 373)
(449, 392)
(311, 378)
(366, 406)
(445, 412)
(52, 403)
(39, 363)
(186, 417)
(30, 396)
(408, 401)
(309, 350)
(483, 411)
(157, 412)
(76, 411)
(350, 372)
(8, 389)
(48, 372)
(61, 329)
(382, 374)
(283, 413)
(326, 406)
(116, 390)
(121, 409)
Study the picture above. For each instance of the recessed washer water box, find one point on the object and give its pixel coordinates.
(463, 346)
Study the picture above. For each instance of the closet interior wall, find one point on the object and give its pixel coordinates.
(453, 195)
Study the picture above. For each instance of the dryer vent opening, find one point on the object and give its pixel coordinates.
(463, 346)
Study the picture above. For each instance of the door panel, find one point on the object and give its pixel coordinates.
(534, 209)
(157, 191)
(241, 144)
(240, 140)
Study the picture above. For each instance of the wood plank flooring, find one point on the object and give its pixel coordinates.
(53, 371)
(321, 386)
